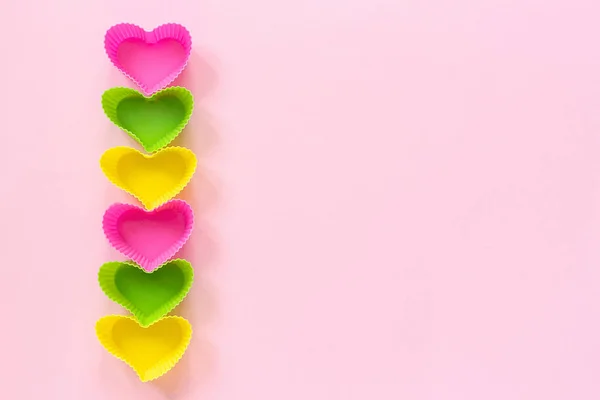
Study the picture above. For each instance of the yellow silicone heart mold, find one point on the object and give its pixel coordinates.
(150, 352)
(153, 179)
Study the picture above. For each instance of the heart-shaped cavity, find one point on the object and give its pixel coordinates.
(151, 59)
(153, 179)
(148, 296)
(152, 121)
(151, 351)
(148, 237)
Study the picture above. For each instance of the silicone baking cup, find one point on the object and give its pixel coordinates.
(150, 59)
(152, 179)
(148, 237)
(152, 121)
(151, 351)
(148, 296)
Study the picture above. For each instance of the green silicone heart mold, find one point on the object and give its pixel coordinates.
(147, 295)
(152, 121)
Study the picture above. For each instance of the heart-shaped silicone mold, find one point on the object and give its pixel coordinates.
(151, 59)
(153, 179)
(152, 121)
(151, 351)
(148, 296)
(148, 237)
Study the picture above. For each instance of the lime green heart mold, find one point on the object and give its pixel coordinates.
(151, 121)
(147, 295)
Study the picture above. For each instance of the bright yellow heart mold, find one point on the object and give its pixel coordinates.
(151, 351)
(153, 179)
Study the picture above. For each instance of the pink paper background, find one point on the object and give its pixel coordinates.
(396, 200)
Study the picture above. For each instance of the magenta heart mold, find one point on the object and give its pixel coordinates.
(150, 59)
(150, 238)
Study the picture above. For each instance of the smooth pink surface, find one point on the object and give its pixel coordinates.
(398, 200)
(151, 59)
(149, 238)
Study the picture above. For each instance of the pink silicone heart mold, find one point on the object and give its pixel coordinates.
(150, 238)
(151, 59)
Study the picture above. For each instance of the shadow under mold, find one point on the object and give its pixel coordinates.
(200, 307)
